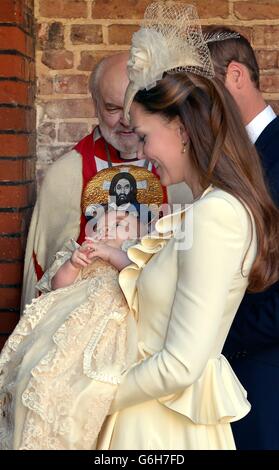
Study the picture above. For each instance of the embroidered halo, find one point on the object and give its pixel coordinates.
(97, 191)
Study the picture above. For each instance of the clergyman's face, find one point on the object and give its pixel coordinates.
(110, 113)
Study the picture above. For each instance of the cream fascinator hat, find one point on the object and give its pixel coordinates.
(169, 40)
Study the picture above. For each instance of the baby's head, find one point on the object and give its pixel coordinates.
(117, 226)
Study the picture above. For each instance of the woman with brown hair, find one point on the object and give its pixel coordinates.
(188, 279)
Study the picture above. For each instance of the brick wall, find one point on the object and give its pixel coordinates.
(74, 34)
(17, 145)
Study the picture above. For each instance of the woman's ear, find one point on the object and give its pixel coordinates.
(183, 133)
(180, 129)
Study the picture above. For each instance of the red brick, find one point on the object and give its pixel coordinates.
(12, 222)
(265, 35)
(14, 66)
(10, 297)
(89, 59)
(11, 11)
(11, 273)
(46, 133)
(8, 321)
(212, 8)
(60, 9)
(19, 12)
(15, 145)
(253, 10)
(12, 119)
(16, 92)
(72, 131)
(13, 38)
(16, 196)
(70, 108)
(269, 83)
(119, 9)
(16, 119)
(11, 248)
(267, 59)
(58, 60)
(31, 122)
(88, 34)
(28, 17)
(121, 34)
(71, 84)
(17, 170)
(32, 70)
(50, 36)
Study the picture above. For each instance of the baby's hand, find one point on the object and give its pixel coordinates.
(87, 247)
(83, 255)
(99, 249)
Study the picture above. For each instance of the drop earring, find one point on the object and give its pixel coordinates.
(185, 146)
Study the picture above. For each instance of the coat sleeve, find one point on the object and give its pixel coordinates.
(205, 275)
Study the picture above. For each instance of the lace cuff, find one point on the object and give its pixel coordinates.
(44, 285)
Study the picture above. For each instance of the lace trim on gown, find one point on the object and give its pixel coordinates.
(71, 388)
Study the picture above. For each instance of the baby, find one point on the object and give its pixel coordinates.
(60, 367)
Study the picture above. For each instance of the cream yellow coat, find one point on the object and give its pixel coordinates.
(182, 393)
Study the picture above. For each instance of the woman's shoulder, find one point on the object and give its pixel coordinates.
(220, 204)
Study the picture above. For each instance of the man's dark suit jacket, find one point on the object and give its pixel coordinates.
(252, 346)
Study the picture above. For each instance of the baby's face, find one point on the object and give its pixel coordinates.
(117, 226)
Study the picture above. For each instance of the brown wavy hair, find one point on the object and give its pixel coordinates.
(222, 155)
(236, 49)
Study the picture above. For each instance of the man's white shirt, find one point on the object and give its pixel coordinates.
(259, 123)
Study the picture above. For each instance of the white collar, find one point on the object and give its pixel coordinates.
(259, 123)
